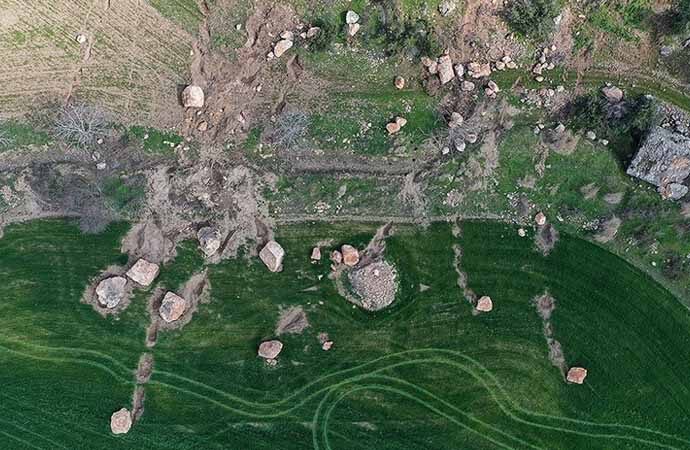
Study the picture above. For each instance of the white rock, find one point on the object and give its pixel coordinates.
(80, 38)
(540, 219)
(350, 255)
(111, 291)
(484, 304)
(209, 240)
(312, 32)
(316, 254)
(288, 35)
(351, 17)
(446, 7)
(193, 97)
(281, 47)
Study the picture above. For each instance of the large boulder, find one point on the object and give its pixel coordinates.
(143, 272)
(664, 161)
(281, 47)
(350, 255)
(576, 375)
(121, 421)
(270, 349)
(209, 240)
(272, 255)
(111, 291)
(485, 304)
(445, 69)
(172, 307)
(193, 97)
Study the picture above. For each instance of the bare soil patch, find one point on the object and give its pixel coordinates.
(546, 238)
(608, 230)
(292, 321)
(145, 368)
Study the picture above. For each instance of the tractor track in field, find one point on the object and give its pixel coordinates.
(368, 370)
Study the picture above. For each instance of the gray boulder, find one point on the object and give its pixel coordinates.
(111, 291)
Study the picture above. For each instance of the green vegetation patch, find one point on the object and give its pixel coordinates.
(184, 12)
(426, 371)
(154, 140)
(16, 134)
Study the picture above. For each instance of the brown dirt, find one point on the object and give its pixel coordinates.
(545, 305)
(147, 240)
(546, 238)
(138, 398)
(145, 368)
(589, 191)
(468, 293)
(377, 245)
(292, 321)
(608, 230)
(89, 296)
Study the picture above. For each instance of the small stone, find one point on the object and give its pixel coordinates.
(203, 126)
(433, 68)
(351, 17)
(613, 94)
(484, 304)
(446, 7)
(479, 70)
(143, 272)
(327, 345)
(289, 35)
(493, 86)
(511, 65)
(392, 128)
(209, 240)
(591, 135)
(506, 59)
(350, 255)
(270, 349)
(281, 47)
(666, 51)
(560, 128)
(500, 65)
(459, 70)
(401, 121)
(426, 61)
(312, 32)
(193, 97)
(172, 307)
(121, 421)
(272, 256)
(540, 219)
(467, 86)
(316, 254)
(399, 82)
(539, 79)
(522, 232)
(352, 29)
(111, 291)
(101, 166)
(471, 138)
(80, 38)
(576, 375)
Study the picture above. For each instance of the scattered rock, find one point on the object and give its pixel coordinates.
(613, 94)
(121, 421)
(666, 51)
(614, 198)
(456, 120)
(446, 7)
(493, 86)
(193, 97)
(351, 17)
(522, 232)
(459, 70)
(143, 272)
(172, 307)
(312, 32)
(399, 82)
(281, 47)
(485, 304)
(316, 254)
(81, 38)
(591, 135)
(272, 255)
(350, 255)
(270, 349)
(445, 69)
(111, 291)
(209, 240)
(576, 375)
(289, 35)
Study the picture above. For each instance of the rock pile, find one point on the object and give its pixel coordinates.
(375, 285)
(111, 291)
(143, 272)
(172, 307)
(270, 349)
(272, 255)
(543, 64)
(121, 421)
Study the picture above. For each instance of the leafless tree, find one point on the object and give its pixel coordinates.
(81, 124)
(289, 128)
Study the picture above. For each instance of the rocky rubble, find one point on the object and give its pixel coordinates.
(664, 161)
(375, 285)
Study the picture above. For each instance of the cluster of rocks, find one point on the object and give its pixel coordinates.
(543, 64)
(676, 120)
(347, 255)
(543, 97)
(396, 125)
(111, 291)
(664, 161)
(287, 40)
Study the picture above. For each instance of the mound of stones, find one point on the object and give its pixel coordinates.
(375, 285)
(111, 291)
(121, 421)
(172, 307)
(272, 256)
(143, 272)
(270, 350)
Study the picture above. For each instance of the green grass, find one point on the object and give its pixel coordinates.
(425, 373)
(16, 134)
(184, 12)
(153, 140)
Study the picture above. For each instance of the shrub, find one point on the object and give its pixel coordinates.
(531, 18)
(289, 129)
(80, 124)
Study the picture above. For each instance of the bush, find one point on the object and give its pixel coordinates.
(531, 18)
(81, 125)
(289, 129)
